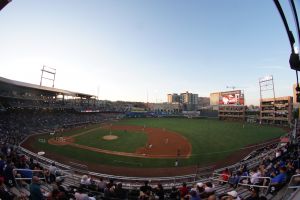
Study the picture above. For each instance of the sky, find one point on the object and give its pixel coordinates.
(131, 49)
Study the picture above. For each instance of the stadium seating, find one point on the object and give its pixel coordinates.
(18, 119)
(70, 183)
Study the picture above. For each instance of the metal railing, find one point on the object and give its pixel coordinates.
(138, 181)
(294, 184)
(188, 178)
(17, 179)
(264, 181)
(250, 163)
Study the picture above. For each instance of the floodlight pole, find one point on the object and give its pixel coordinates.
(294, 57)
(50, 71)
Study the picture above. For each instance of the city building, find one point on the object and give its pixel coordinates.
(203, 102)
(189, 98)
(170, 108)
(173, 98)
(214, 98)
(188, 101)
(276, 111)
(232, 112)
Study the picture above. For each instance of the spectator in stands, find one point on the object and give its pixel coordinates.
(212, 197)
(193, 195)
(290, 168)
(80, 195)
(85, 181)
(120, 193)
(232, 195)
(146, 188)
(278, 153)
(52, 170)
(9, 174)
(296, 180)
(35, 189)
(225, 176)
(254, 194)
(244, 171)
(31, 163)
(200, 188)
(254, 177)
(47, 176)
(54, 194)
(159, 192)
(109, 191)
(278, 180)
(183, 190)
(209, 188)
(110, 184)
(2, 164)
(4, 194)
(235, 179)
(174, 194)
(64, 192)
(101, 185)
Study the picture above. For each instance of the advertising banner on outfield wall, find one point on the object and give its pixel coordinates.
(235, 97)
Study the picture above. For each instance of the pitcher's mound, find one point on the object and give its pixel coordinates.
(110, 137)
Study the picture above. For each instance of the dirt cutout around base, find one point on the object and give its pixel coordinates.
(161, 143)
(60, 141)
(110, 137)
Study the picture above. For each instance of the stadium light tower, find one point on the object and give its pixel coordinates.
(3, 3)
(294, 57)
(232, 87)
(49, 74)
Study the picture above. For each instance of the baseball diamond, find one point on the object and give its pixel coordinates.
(155, 143)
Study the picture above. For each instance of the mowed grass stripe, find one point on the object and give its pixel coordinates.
(208, 135)
(127, 141)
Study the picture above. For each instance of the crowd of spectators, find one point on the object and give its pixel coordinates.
(16, 124)
(39, 181)
(269, 176)
(47, 181)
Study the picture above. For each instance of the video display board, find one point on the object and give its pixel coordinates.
(235, 97)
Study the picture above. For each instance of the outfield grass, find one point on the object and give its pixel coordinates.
(211, 140)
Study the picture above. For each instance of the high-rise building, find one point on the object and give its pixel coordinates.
(214, 98)
(189, 98)
(173, 98)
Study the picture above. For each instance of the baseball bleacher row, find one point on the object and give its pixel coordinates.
(75, 185)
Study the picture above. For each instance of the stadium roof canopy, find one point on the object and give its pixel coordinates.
(43, 89)
(3, 3)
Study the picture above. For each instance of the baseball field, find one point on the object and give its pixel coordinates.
(153, 142)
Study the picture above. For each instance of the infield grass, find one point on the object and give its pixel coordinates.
(126, 142)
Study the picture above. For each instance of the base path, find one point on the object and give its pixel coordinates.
(161, 143)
